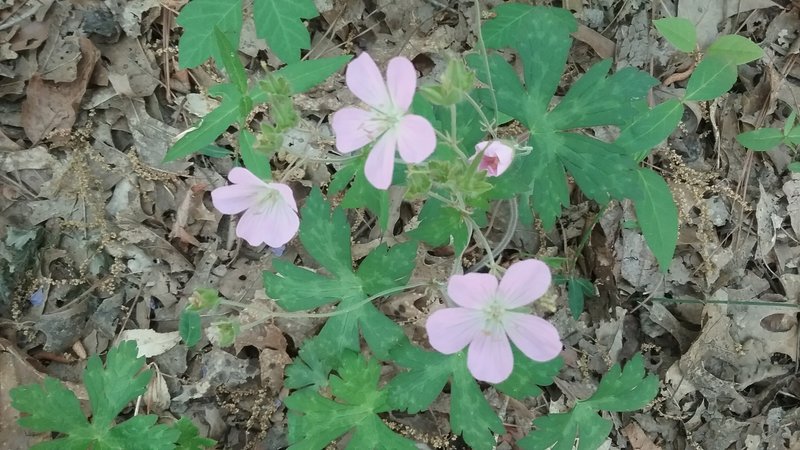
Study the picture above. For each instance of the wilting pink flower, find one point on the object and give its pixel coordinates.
(270, 212)
(386, 123)
(485, 320)
(495, 157)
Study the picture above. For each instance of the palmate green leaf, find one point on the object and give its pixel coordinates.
(315, 421)
(311, 368)
(302, 75)
(190, 438)
(441, 225)
(230, 60)
(362, 194)
(198, 18)
(650, 129)
(578, 289)
(657, 214)
(761, 139)
(279, 22)
(470, 413)
(620, 390)
(794, 167)
(326, 237)
(679, 32)
(53, 407)
(734, 48)
(713, 76)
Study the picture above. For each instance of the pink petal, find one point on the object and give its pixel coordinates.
(537, 338)
(380, 161)
(524, 282)
(489, 357)
(240, 175)
(401, 79)
(416, 139)
(286, 194)
(496, 157)
(452, 329)
(282, 222)
(235, 198)
(354, 128)
(473, 290)
(365, 81)
(274, 226)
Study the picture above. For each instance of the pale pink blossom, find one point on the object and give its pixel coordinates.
(485, 319)
(270, 212)
(386, 123)
(495, 157)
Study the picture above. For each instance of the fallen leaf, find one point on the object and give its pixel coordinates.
(151, 342)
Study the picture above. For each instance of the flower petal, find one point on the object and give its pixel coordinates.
(524, 282)
(379, 167)
(489, 357)
(365, 81)
(416, 139)
(401, 79)
(452, 329)
(496, 157)
(282, 224)
(473, 290)
(251, 227)
(240, 175)
(235, 198)
(537, 338)
(286, 194)
(354, 128)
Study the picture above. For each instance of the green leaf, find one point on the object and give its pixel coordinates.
(326, 236)
(416, 389)
(511, 98)
(230, 60)
(650, 129)
(713, 76)
(279, 22)
(679, 32)
(190, 438)
(385, 269)
(734, 48)
(254, 160)
(342, 178)
(793, 136)
(211, 125)
(794, 167)
(311, 368)
(315, 421)
(578, 289)
(214, 151)
(304, 75)
(657, 214)
(190, 327)
(362, 194)
(197, 18)
(620, 390)
(787, 126)
(470, 414)
(52, 407)
(528, 375)
(441, 225)
(761, 139)
(298, 289)
(39, 402)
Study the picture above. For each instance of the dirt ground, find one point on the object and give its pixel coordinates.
(98, 235)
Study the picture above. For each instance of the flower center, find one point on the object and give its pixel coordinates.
(268, 198)
(489, 164)
(494, 313)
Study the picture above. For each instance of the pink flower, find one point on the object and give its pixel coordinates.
(496, 157)
(485, 320)
(270, 212)
(386, 123)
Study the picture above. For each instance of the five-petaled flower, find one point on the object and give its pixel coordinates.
(270, 212)
(387, 122)
(485, 320)
(495, 157)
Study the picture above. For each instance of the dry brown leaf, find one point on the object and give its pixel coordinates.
(49, 106)
(638, 438)
(707, 15)
(599, 43)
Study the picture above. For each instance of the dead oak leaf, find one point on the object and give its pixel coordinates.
(49, 106)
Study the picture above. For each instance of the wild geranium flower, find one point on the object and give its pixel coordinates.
(386, 123)
(270, 212)
(485, 319)
(495, 157)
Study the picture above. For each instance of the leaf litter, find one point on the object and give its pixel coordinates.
(101, 241)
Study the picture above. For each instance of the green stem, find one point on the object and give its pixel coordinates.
(485, 57)
(489, 125)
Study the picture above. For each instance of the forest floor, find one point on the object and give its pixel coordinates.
(98, 235)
